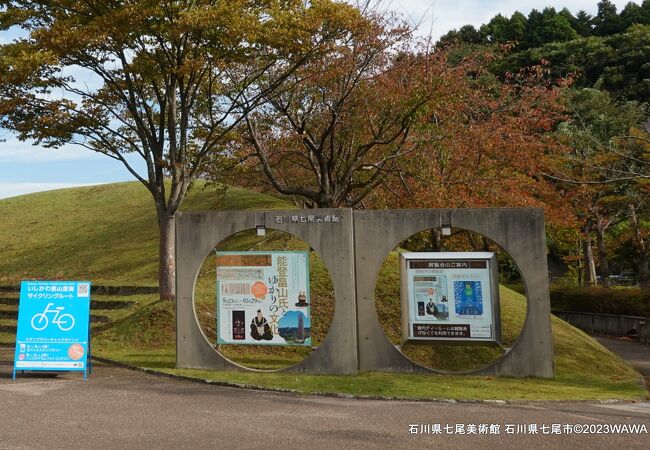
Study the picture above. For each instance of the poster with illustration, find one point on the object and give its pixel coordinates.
(430, 294)
(468, 298)
(263, 298)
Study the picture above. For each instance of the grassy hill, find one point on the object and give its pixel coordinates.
(108, 234)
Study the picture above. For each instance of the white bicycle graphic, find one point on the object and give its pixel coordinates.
(40, 321)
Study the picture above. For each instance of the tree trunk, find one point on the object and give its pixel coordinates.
(644, 274)
(486, 244)
(435, 235)
(590, 266)
(603, 263)
(641, 249)
(166, 260)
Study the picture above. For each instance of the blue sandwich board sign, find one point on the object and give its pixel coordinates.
(53, 326)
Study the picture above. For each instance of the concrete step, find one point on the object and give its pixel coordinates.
(111, 304)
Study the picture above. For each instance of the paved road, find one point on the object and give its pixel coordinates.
(127, 409)
(634, 352)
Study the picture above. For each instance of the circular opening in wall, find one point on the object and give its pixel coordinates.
(451, 303)
(264, 299)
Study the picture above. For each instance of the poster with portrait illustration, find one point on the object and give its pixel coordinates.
(449, 296)
(263, 298)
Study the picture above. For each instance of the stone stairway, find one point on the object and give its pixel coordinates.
(100, 308)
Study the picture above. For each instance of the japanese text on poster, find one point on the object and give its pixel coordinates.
(263, 298)
(449, 296)
(53, 320)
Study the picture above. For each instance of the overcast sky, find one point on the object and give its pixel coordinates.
(25, 168)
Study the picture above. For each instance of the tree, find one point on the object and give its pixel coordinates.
(640, 238)
(607, 21)
(606, 171)
(533, 26)
(483, 145)
(583, 23)
(171, 78)
(341, 124)
(497, 30)
(517, 27)
(556, 27)
(633, 14)
(618, 63)
(467, 34)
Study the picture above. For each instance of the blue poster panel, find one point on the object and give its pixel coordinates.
(53, 326)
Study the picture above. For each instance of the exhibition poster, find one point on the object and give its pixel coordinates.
(263, 298)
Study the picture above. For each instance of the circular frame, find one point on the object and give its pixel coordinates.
(518, 231)
(498, 316)
(198, 233)
(241, 366)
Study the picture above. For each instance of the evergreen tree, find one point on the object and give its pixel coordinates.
(517, 27)
(607, 21)
(469, 35)
(497, 30)
(533, 28)
(583, 23)
(633, 14)
(555, 27)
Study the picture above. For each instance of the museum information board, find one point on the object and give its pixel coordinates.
(450, 296)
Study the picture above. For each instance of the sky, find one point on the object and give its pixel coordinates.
(26, 168)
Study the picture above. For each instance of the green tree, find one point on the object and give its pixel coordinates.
(607, 21)
(497, 30)
(633, 14)
(517, 27)
(555, 27)
(534, 25)
(467, 34)
(607, 168)
(619, 63)
(171, 75)
(583, 23)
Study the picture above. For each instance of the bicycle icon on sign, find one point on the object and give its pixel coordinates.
(40, 321)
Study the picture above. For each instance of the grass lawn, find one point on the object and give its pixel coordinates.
(106, 233)
(406, 386)
(584, 369)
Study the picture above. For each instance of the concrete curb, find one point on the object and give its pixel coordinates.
(254, 387)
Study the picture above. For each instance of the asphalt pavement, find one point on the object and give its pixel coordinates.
(632, 351)
(120, 408)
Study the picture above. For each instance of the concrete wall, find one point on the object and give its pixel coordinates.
(353, 249)
(610, 324)
(197, 233)
(520, 232)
